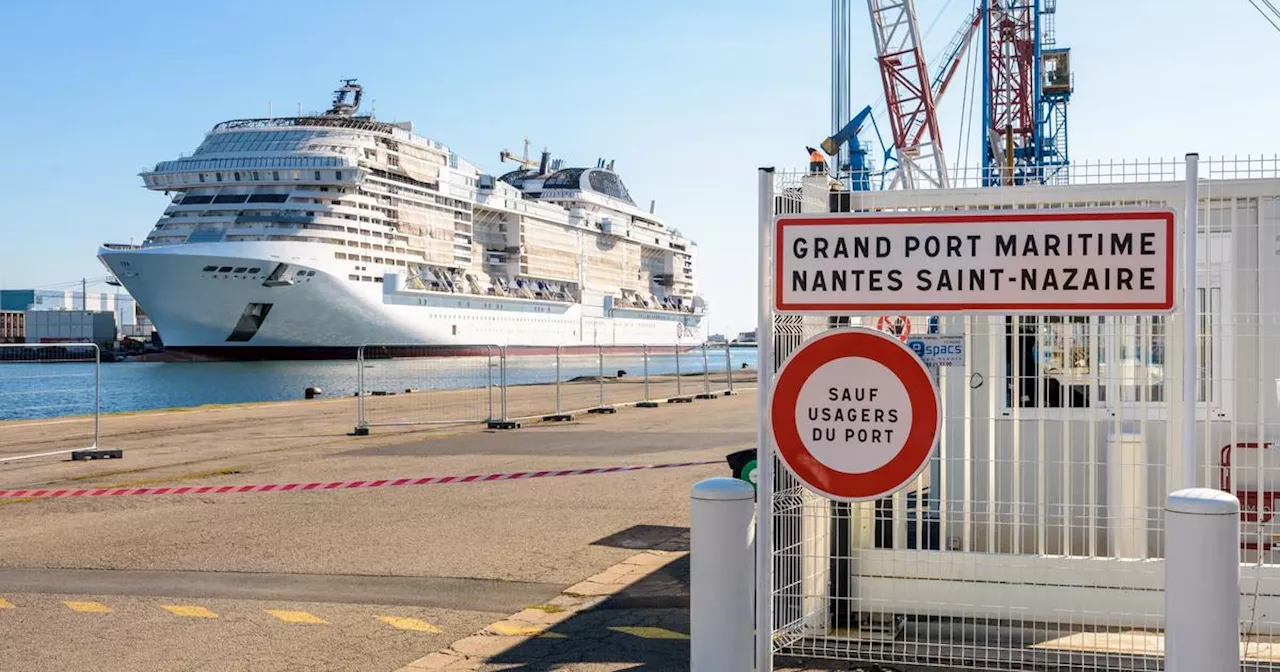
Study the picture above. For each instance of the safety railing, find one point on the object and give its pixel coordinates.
(40, 381)
(505, 386)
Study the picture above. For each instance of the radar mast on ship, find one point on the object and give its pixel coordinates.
(341, 107)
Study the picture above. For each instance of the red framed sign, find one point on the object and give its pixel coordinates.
(1035, 261)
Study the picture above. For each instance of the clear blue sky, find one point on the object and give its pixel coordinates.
(688, 97)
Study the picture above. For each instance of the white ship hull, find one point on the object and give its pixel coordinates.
(325, 310)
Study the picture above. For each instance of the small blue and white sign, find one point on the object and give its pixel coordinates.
(938, 349)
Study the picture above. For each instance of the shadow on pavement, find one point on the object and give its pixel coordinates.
(644, 627)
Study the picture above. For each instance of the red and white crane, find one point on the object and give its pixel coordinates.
(909, 94)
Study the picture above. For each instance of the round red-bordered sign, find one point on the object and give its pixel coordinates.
(844, 386)
(898, 325)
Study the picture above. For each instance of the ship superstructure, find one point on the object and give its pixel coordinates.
(330, 231)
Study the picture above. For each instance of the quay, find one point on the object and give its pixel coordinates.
(591, 568)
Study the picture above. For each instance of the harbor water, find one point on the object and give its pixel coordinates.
(48, 390)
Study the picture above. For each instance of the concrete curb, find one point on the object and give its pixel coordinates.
(471, 653)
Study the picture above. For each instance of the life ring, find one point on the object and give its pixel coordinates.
(898, 325)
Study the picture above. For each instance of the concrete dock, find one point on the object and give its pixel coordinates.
(511, 574)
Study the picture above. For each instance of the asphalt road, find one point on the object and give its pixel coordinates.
(365, 579)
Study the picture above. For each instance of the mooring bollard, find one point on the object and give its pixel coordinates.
(1201, 581)
(721, 576)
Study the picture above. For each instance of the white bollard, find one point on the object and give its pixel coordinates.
(722, 577)
(1202, 581)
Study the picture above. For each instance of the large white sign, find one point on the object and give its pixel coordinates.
(995, 262)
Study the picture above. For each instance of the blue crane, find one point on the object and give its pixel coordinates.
(859, 170)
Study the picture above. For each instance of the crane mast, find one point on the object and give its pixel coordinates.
(908, 91)
(1025, 92)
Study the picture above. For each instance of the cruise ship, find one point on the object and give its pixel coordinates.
(310, 236)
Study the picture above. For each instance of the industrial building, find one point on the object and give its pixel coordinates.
(46, 315)
(12, 326)
(120, 303)
(72, 326)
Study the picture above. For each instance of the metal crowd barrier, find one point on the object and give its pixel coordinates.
(504, 386)
(40, 381)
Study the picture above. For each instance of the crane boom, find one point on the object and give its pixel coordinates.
(909, 94)
(955, 53)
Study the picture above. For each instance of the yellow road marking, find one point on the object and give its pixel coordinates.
(649, 633)
(409, 624)
(5, 604)
(553, 635)
(192, 612)
(296, 616)
(88, 607)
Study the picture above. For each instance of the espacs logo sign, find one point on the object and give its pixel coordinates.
(938, 349)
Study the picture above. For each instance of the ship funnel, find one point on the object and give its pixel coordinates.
(546, 159)
(652, 205)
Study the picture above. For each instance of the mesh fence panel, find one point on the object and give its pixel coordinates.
(411, 384)
(43, 381)
(1036, 538)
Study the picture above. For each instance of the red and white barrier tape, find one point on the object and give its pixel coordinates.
(340, 485)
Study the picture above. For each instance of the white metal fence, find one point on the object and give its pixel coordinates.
(509, 384)
(1035, 540)
(49, 380)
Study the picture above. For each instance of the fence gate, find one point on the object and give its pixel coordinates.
(1034, 539)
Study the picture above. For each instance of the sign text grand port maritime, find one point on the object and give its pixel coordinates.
(993, 261)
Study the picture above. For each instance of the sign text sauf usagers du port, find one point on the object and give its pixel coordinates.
(1011, 261)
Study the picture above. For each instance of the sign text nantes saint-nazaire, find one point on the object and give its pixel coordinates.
(1007, 261)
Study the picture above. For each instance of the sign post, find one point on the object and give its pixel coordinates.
(855, 412)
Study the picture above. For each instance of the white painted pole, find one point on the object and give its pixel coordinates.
(1202, 581)
(720, 578)
(764, 437)
(1127, 495)
(1190, 370)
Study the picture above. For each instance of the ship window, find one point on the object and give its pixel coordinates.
(236, 176)
(317, 175)
(255, 270)
(275, 175)
(337, 174)
(241, 269)
(302, 272)
(202, 177)
(608, 183)
(564, 179)
(268, 198)
(311, 274)
(353, 277)
(224, 269)
(297, 175)
(255, 176)
(217, 177)
(209, 269)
